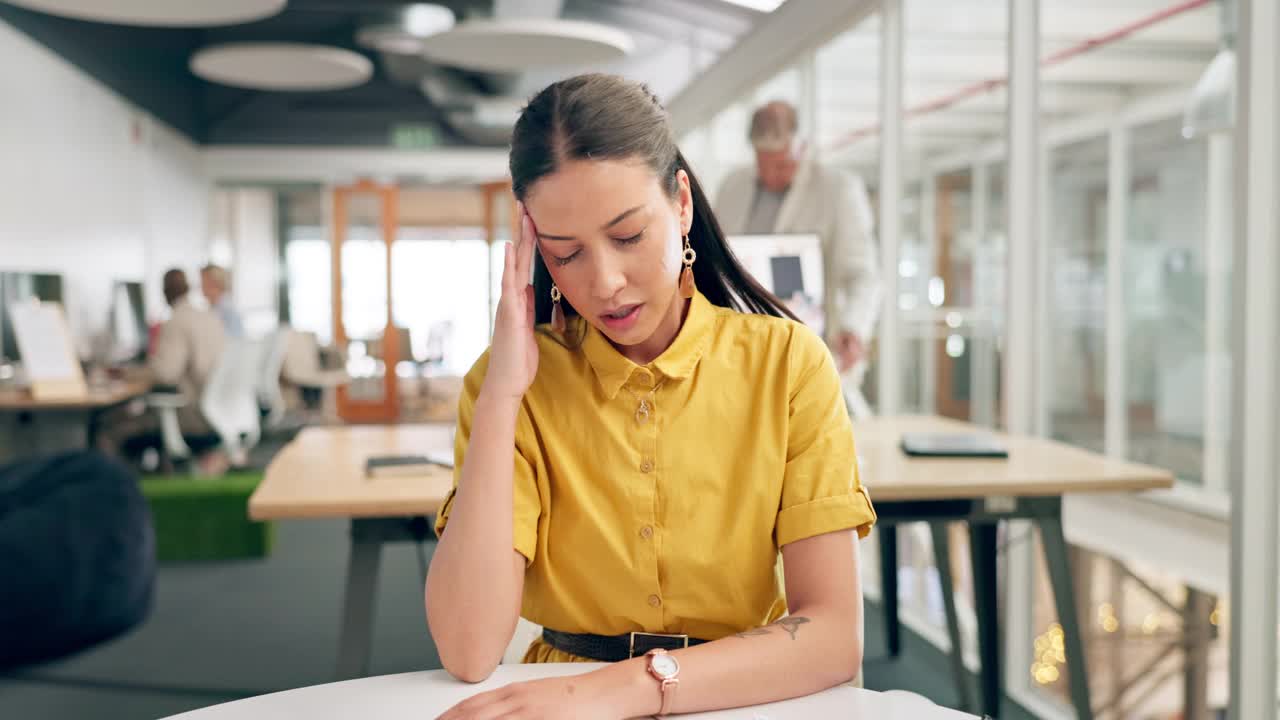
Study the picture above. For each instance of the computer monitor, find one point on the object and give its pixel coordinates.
(789, 266)
(18, 287)
(128, 322)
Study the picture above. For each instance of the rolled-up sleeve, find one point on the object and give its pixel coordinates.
(821, 490)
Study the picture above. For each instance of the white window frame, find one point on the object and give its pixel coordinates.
(1255, 498)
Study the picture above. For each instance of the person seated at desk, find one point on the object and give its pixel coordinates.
(186, 349)
(190, 342)
(648, 430)
(215, 283)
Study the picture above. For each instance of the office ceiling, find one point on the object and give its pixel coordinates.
(408, 101)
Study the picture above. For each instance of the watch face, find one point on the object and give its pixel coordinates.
(665, 665)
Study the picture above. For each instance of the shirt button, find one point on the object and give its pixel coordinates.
(646, 532)
(655, 601)
(646, 466)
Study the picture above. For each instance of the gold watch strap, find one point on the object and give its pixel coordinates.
(668, 696)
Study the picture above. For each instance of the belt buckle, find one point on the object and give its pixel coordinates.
(631, 651)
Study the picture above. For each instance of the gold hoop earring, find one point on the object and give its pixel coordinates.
(557, 314)
(687, 288)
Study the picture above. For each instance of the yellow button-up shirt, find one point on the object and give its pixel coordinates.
(655, 498)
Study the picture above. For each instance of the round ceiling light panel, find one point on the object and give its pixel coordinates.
(521, 44)
(158, 13)
(282, 66)
(404, 37)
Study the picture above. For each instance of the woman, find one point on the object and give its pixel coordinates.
(634, 450)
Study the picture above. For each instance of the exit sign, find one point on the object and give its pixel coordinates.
(414, 137)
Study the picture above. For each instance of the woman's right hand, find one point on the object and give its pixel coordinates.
(513, 357)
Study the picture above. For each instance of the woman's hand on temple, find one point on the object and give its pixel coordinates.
(513, 357)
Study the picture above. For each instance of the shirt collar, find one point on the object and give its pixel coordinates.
(612, 369)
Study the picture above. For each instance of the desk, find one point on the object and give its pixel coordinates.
(320, 474)
(427, 694)
(97, 401)
(98, 398)
(982, 493)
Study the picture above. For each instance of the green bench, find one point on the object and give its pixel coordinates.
(206, 518)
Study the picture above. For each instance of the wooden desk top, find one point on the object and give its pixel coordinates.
(321, 474)
(15, 400)
(1035, 467)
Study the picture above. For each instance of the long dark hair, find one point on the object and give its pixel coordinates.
(605, 117)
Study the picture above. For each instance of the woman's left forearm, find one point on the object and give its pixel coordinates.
(803, 653)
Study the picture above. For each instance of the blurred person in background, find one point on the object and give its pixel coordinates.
(188, 346)
(190, 342)
(215, 283)
(790, 192)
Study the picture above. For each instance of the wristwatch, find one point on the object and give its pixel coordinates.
(664, 667)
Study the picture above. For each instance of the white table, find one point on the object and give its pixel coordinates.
(424, 695)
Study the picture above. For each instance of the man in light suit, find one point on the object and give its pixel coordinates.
(789, 192)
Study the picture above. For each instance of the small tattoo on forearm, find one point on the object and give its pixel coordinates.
(791, 624)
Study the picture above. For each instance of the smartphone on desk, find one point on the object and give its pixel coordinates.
(952, 445)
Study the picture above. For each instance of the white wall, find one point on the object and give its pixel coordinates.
(90, 186)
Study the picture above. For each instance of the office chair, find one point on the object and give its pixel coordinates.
(302, 368)
(302, 363)
(405, 340)
(166, 405)
(437, 339)
(270, 396)
(229, 403)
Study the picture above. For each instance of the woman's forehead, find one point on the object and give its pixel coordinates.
(590, 192)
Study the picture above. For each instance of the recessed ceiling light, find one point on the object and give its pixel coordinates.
(159, 14)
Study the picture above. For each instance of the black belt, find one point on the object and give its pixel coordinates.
(615, 648)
